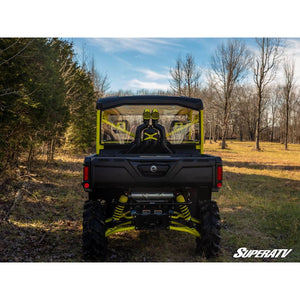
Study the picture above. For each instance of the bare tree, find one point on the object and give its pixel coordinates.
(185, 77)
(295, 118)
(289, 84)
(211, 112)
(264, 70)
(191, 76)
(176, 73)
(229, 65)
(100, 81)
(274, 108)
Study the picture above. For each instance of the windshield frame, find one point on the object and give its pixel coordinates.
(117, 143)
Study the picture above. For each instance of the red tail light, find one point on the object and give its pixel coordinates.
(86, 173)
(219, 173)
(219, 176)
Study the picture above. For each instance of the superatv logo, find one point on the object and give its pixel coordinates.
(275, 253)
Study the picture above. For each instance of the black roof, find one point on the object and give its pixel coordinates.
(110, 102)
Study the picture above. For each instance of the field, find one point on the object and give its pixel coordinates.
(259, 206)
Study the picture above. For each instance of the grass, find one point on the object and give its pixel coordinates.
(259, 201)
(259, 206)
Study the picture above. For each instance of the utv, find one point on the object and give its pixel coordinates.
(149, 172)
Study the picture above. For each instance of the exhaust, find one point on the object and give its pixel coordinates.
(151, 196)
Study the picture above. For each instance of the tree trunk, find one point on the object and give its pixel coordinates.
(257, 131)
(286, 125)
(30, 157)
(53, 141)
(272, 131)
(215, 133)
(241, 134)
(224, 133)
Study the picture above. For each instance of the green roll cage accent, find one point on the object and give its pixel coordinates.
(118, 127)
(150, 136)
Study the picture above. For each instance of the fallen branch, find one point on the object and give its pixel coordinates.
(42, 238)
(18, 197)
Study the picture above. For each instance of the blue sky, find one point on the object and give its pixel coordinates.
(136, 63)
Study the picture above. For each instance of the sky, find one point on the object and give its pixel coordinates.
(144, 63)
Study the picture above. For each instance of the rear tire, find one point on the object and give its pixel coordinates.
(209, 242)
(94, 242)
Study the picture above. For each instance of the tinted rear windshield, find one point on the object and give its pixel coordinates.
(118, 125)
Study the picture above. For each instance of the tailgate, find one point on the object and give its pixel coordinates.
(154, 171)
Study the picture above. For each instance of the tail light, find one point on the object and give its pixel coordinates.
(85, 173)
(86, 177)
(219, 176)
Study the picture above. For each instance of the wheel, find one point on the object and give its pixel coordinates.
(209, 242)
(94, 242)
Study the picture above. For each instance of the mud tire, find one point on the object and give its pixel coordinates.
(94, 242)
(209, 243)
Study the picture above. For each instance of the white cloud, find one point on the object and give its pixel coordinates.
(292, 51)
(145, 46)
(138, 84)
(152, 75)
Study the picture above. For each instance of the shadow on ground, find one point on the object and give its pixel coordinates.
(259, 166)
(28, 244)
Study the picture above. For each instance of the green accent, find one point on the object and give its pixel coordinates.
(183, 208)
(182, 127)
(180, 216)
(190, 118)
(122, 124)
(118, 228)
(146, 114)
(123, 199)
(178, 227)
(150, 136)
(183, 228)
(119, 209)
(123, 226)
(155, 114)
(98, 133)
(180, 199)
(177, 125)
(117, 142)
(117, 127)
(202, 132)
(124, 215)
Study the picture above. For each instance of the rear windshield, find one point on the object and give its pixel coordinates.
(118, 125)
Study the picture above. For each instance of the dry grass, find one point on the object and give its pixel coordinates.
(260, 199)
(259, 206)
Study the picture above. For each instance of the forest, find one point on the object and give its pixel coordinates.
(47, 96)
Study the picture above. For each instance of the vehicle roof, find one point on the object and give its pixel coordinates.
(110, 102)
